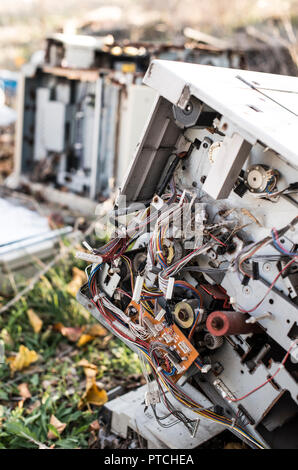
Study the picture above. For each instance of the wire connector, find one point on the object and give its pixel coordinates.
(206, 368)
(152, 397)
(87, 246)
(99, 296)
(160, 315)
(138, 289)
(89, 257)
(170, 288)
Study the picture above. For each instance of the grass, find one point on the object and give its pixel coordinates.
(55, 382)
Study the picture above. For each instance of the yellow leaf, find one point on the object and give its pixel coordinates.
(96, 330)
(58, 425)
(23, 359)
(84, 339)
(85, 363)
(78, 279)
(34, 320)
(93, 396)
(90, 372)
(90, 333)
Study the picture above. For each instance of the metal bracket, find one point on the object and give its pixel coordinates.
(227, 166)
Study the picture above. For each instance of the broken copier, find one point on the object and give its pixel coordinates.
(200, 275)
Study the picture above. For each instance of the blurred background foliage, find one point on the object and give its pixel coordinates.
(25, 23)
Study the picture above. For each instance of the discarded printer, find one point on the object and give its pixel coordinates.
(200, 276)
(82, 110)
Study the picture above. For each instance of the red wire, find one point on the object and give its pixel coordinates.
(267, 381)
(274, 281)
(277, 239)
(222, 243)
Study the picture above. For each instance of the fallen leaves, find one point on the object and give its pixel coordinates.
(81, 335)
(78, 279)
(84, 339)
(34, 320)
(96, 330)
(24, 393)
(92, 395)
(94, 426)
(90, 333)
(56, 427)
(23, 359)
(71, 333)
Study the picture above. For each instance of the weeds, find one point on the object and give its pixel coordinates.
(55, 382)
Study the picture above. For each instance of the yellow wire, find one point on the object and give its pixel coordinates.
(200, 412)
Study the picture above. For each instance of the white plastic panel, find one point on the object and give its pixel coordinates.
(247, 109)
(136, 105)
(42, 98)
(54, 126)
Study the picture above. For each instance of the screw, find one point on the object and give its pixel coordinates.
(267, 267)
(246, 290)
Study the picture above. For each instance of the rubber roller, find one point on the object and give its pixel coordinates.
(230, 323)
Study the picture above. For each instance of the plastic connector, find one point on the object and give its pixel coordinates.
(152, 398)
(87, 246)
(160, 315)
(157, 202)
(89, 257)
(99, 296)
(138, 289)
(183, 346)
(206, 368)
(170, 288)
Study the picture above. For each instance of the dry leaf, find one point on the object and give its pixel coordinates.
(24, 391)
(96, 330)
(90, 372)
(58, 425)
(34, 320)
(93, 395)
(90, 333)
(78, 279)
(33, 407)
(23, 359)
(86, 364)
(71, 333)
(85, 339)
(94, 426)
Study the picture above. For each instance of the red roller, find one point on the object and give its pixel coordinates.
(229, 323)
